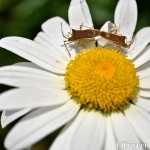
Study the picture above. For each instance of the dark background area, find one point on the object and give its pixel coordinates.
(24, 18)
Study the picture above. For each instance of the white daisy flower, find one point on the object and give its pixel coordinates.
(99, 94)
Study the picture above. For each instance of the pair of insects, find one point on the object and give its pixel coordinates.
(76, 35)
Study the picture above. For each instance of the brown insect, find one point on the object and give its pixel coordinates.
(78, 35)
(83, 34)
(117, 39)
(92, 33)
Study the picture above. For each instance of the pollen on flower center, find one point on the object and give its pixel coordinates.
(105, 69)
(101, 79)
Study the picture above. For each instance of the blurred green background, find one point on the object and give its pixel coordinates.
(24, 18)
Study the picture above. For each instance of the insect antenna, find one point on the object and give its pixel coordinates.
(63, 32)
(65, 44)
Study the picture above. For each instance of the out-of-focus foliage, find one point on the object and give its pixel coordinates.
(24, 18)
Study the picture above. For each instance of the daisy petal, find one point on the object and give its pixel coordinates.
(144, 113)
(126, 17)
(79, 14)
(44, 40)
(122, 128)
(139, 123)
(28, 64)
(144, 83)
(141, 39)
(110, 139)
(144, 73)
(144, 93)
(106, 27)
(39, 124)
(20, 76)
(145, 57)
(32, 98)
(85, 126)
(9, 116)
(52, 29)
(35, 53)
(143, 103)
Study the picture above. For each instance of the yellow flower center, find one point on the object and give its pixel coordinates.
(101, 79)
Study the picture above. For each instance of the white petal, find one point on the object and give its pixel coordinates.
(107, 28)
(144, 83)
(143, 112)
(142, 59)
(122, 129)
(44, 40)
(144, 73)
(39, 124)
(9, 116)
(32, 98)
(35, 53)
(28, 64)
(144, 93)
(141, 40)
(86, 132)
(111, 142)
(52, 28)
(21, 76)
(126, 17)
(144, 66)
(79, 14)
(143, 103)
(139, 123)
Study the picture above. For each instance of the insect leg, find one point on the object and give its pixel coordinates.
(66, 37)
(65, 44)
(69, 34)
(114, 29)
(80, 43)
(81, 27)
